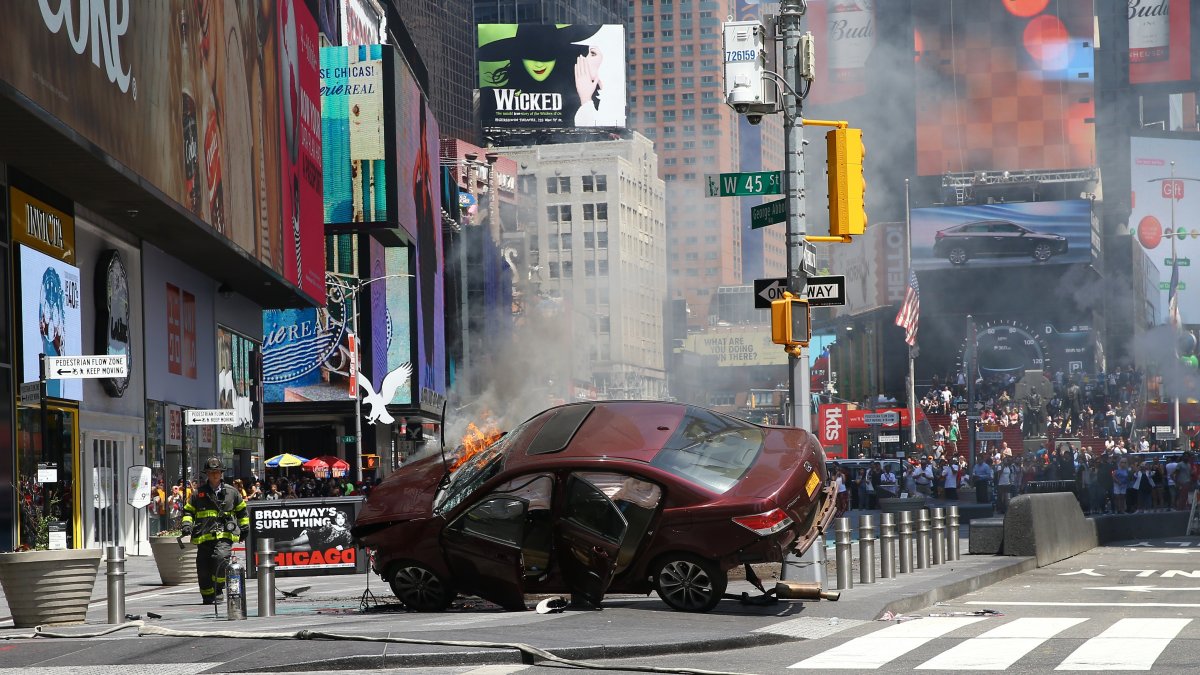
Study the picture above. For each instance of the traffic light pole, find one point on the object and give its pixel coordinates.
(790, 15)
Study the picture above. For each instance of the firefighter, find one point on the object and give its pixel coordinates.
(215, 517)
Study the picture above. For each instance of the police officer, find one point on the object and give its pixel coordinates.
(215, 516)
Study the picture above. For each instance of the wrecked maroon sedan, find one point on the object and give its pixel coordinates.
(597, 497)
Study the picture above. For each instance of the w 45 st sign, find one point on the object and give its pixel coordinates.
(743, 184)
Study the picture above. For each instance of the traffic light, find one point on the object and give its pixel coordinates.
(790, 322)
(847, 184)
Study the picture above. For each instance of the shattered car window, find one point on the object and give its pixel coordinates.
(711, 450)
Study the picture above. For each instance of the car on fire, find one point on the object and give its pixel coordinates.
(597, 497)
(995, 238)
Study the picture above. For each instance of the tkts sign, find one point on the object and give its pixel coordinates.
(831, 429)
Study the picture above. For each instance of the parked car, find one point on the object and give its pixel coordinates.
(597, 497)
(995, 238)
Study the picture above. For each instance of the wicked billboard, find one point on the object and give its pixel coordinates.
(546, 76)
(212, 103)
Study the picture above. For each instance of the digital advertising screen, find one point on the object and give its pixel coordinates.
(1168, 237)
(548, 76)
(1004, 85)
(1002, 235)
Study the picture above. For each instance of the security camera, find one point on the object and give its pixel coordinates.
(754, 118)
(741, 108)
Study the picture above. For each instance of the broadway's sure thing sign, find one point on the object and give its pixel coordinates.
(312, 536)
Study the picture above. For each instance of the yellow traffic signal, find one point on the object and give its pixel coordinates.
(790, 321)
(847, 185)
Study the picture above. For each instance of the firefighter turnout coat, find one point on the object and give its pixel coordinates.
(216, 516)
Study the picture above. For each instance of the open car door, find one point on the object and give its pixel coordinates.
(587, 539)
(483, 550)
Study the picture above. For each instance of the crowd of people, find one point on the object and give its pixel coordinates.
(166, 508)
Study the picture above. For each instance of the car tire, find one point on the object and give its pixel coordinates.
(420, 588)
(689, 583)
(1042, 252)
(958, 255)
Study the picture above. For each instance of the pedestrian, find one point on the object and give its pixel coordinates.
(215, 517)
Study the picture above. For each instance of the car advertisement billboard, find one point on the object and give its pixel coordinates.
(1160, 41)
(547, 76)
(1004, 85)
(300, 143)
(1002, 235)
(50, 318)
(1154, 185)
(186, 95)
(354, 152)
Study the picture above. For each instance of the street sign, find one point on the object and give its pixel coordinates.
(809, 261)
(826, 291)
(221, 416)
(743, 184)
(766, 290)
(31, 393)
(989, 435)
(86, 367)
(768, 214)
(892, 438)
(886, 418)
(1159, 429)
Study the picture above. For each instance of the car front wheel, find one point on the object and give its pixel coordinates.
(689, 583)
(957, 255)
(1042, 252)
(420, 588)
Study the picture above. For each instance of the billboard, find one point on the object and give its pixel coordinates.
(354, 152)
(306, 352)
(1006, 85)
(1160, 41)
(300, 143)
(750, 347)
(1002, 235)
(186, 95)
(50, 318)
(1150, 219)
(547, 76)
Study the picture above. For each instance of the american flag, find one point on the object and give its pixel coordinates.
(910, 311)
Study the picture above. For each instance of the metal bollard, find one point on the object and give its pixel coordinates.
(906, 542)
(116, 583)
(922, 561)
(866, 549)
(938, 543)
(952, 550)
(264, 555)
(843, 562)
(887, 546)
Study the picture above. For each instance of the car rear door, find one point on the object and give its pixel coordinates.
(483, 550)
(588, 537)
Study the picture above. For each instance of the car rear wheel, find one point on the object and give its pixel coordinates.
(420, 588)
(689, 583)
(957, 255)
(1042, 252)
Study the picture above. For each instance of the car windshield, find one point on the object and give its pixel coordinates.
(710, 449)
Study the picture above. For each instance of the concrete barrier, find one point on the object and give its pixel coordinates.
(1049, 527)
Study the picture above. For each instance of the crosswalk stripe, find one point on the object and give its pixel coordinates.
(880, 647)
(1128, 644)
(1000, 647)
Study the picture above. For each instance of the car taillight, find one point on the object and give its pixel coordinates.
(767, 523)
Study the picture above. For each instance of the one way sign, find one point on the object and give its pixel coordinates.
(821, 291)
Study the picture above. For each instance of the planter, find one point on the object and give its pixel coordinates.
(898, 504)
(176, 566)
(49, 587)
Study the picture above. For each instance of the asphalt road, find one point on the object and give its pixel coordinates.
(1134, 606)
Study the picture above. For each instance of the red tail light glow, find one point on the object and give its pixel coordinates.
(765, 524)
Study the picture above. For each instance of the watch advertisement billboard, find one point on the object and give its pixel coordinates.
(548, 76)
(50, 318)
(189, 95)
(1010, 235)
(1004, 85)
(1169, 237)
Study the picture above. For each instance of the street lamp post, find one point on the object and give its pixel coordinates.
(352, 291)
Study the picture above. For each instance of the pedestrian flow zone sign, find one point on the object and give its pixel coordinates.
(820, 291)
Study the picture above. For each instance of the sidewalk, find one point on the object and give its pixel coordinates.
(627, 626)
